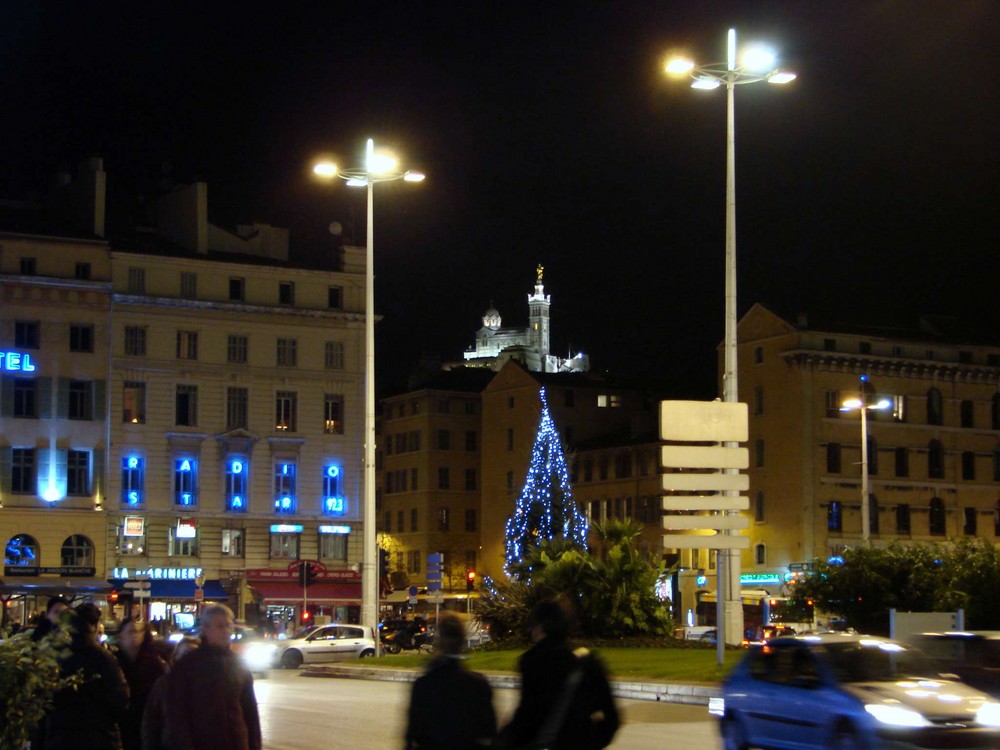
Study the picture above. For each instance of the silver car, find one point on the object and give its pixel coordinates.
(325, 643)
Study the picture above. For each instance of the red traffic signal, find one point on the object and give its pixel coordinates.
(113, 597)
(470, 580)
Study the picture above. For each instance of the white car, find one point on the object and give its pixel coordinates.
(325, 643)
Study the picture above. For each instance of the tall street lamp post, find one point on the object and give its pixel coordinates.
(755, 65)
(863, 406)
(377, 168)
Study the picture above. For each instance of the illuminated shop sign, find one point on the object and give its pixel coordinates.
(158, 574)
(334, 529)
(16, 362)
(236, 485)
(132, 480)
(187, 528)
(286, 528)
(760, 579)
(134, 526)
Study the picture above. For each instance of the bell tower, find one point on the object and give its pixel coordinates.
(538, 316)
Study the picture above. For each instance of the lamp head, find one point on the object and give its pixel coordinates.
(706, 82)
(325, 169)
(678, 66)
(781, 77)
(758, 59)
(851, 403)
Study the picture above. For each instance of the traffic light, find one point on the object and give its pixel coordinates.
(383, 562)
(308, 572)
(113, 598)
(305, 616)
(470, 580)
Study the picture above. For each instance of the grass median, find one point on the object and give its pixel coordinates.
(689, 665)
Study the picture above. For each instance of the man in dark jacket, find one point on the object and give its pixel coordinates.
(210, 703)
(53, 611)
(450, 707)
(87, 716)
(566, 701)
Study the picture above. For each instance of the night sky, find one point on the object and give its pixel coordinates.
(866, 189)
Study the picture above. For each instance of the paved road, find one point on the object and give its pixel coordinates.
(305, 713)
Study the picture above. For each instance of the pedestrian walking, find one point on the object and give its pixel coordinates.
(87, 715)
(142, 667)
(154, 716)
(566, 701)
(451, 708)
(210, 702)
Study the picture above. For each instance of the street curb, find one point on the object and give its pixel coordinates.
(697, 695)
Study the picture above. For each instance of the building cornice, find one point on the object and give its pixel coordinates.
(876, 365)
(235, 307)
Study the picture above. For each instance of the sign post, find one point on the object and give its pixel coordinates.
(703, 485)
(434, 564)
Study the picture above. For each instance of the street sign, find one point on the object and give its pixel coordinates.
(140, 594)
(697, 473)
(139, 585)
(434, 561)
(435, 599)
(199, 595)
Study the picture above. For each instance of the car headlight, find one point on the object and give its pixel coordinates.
(259, 655)
(989, 714)
(896, 716)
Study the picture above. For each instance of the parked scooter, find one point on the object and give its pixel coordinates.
(413, 636)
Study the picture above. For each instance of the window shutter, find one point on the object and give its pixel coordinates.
(43, 396)
(5, 458)
(97, 474)
(62, 399)
(100, 399)
(7, 402)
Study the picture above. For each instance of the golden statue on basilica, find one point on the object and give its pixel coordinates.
(540, 270)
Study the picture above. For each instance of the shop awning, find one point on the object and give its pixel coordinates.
(184, 589)
(163, 588)
(327, 593)
(42, 586)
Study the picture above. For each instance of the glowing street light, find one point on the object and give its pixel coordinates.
(755, 64)
(378, 168)
(861, 405)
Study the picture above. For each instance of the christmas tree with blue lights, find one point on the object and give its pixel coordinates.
(546, 509)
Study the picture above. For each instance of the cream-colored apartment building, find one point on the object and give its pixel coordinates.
(222, 388)
(933, 454)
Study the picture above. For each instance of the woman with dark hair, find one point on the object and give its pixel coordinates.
(142, 666)
(87, 714)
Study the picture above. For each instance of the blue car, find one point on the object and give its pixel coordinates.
(850, 692)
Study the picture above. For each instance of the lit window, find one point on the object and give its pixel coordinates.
(133, 402)
(237, 470)
(333, 414)
(183, 540)
(284, 487)
(284, 546)
(285, 411)
(232, 542)
(334, 503)
(133, 475)
(185, 482)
